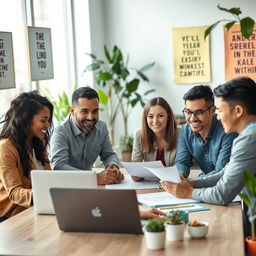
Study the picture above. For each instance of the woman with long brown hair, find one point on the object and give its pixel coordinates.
(157, 140)
(23, 147)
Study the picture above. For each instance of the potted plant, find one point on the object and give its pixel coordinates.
(155, 233)
(126, 143)
(249, 198)
(174, 226)
(246, 24)
(118, 84)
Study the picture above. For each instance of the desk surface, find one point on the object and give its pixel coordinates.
(31, 234)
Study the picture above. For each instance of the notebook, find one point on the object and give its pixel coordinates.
(43, 180)
(96, 210)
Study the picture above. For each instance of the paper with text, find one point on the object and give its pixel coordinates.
(128, 183)
(159, 199)
(139, 169)
(167, 173)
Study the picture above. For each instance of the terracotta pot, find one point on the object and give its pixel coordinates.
(126, 156)
(251, 245)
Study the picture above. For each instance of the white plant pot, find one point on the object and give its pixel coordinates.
(155, 240)
(174, 232)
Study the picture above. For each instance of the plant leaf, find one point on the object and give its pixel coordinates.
(92, 67)
(247, 25)
(209, 29)
(117, 55)
(142, 76)
(118, 88)
(229, 25)
(133, 85)
(106, 52)
(146, 67)
(117, 68)
(149, 91)
(124, 73)
(92, 56)
(103, 97)
(134, 102)
(233, 10)
(245, 199)
(248, 181)
(104, 76)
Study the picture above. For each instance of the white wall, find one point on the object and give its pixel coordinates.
(143, 29)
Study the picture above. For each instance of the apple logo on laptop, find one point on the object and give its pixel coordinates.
(96, 212)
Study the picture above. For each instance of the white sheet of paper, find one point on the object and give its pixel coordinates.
(161, 198)
(138, 169)
(128, 183)
(167, 173)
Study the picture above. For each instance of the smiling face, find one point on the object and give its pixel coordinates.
(199, 123)
(40, 123)
(227, 116)
(157, 119)
(86, 114)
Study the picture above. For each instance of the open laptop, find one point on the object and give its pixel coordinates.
(43, 180)
(96, 210)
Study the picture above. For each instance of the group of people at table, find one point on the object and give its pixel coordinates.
(220, 138)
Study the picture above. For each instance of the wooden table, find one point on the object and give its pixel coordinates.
(31, 234)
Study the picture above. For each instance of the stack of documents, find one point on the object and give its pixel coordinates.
(166, 202)
(128, 183)
(153, 170)
(138, 169)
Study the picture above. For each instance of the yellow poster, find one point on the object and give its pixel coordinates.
(240, 53)
(191, 55)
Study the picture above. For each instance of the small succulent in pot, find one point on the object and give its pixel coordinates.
(174, 218)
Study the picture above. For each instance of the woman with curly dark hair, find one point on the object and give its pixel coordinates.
(24, 138)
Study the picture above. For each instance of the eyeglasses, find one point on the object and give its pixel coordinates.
(196, 113)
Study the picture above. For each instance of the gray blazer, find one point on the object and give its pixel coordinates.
(139, 156)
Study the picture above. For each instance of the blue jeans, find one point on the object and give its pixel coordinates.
(3, 218)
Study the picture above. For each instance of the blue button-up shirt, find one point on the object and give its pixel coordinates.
(70, 149)
(211, 155)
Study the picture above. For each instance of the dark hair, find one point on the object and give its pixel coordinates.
(84, 92)
(200, 92)
(241, 91)
(17, 123)
(148, 136)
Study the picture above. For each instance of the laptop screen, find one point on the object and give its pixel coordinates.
(43, 180)
(96, 210)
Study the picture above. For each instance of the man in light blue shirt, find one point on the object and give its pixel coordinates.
(236, 107)
(82, 137)
(203, 138)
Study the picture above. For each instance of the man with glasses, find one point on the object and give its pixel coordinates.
(237, 112)
(202, 139)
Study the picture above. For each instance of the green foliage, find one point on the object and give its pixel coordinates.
(119, 84)
(174, 218)
(126, 143)
(61, 107)
(250, 199)
(246, 24)
(156, 225)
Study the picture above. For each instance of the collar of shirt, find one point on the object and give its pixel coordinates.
(249, 123)
(75, 129)
(211, 131)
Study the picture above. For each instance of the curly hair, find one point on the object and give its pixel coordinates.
(16, 127)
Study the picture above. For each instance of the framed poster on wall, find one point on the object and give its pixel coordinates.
(239, 53)
(191, 54)
(40, 53)
(7, 73)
